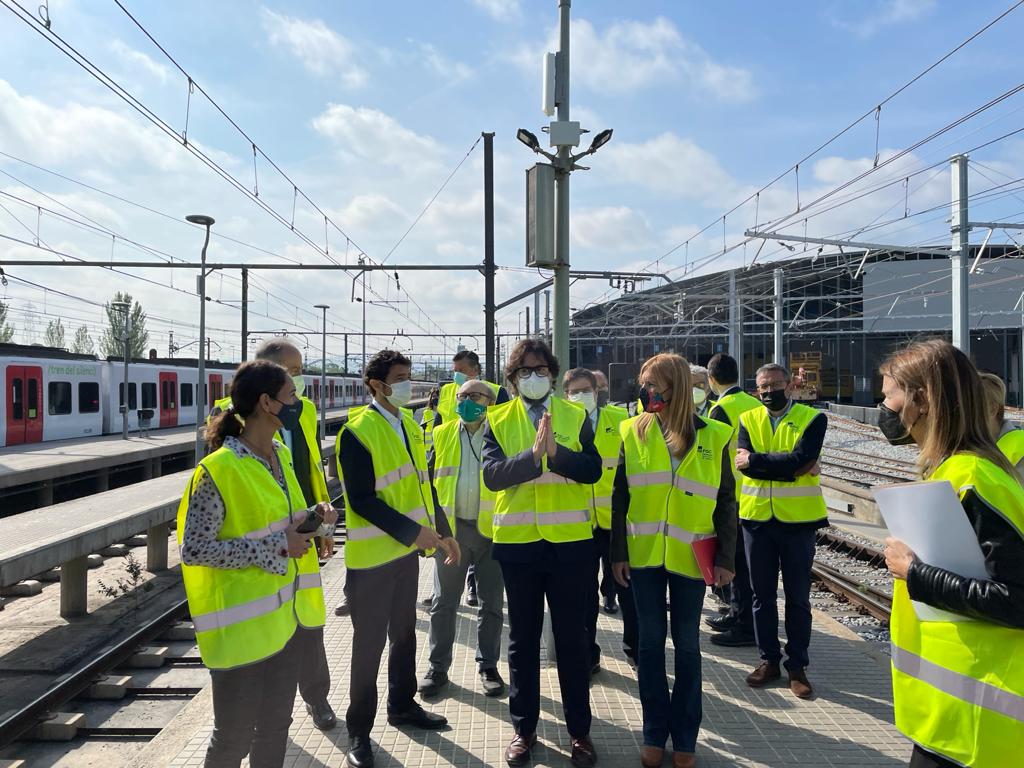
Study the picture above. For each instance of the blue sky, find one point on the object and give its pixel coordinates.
(370, 106)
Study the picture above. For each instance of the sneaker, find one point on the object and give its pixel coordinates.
(766, 672)
(798, 684)
(492, 682)
(433, 682)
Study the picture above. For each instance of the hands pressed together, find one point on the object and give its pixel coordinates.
(544, 444)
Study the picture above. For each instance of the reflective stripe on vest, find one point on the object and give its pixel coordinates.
(551, 507)
(447, 460)
(668, 511)
(796, 502)
(248, 614)
(958, 686)
(608, 442)
(735, 405)
(400, 481)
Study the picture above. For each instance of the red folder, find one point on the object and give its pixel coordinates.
(705, 550)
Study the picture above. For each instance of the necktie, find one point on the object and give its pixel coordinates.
(536, 411)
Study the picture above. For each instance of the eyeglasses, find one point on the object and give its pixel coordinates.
(524, 372)
(477, 397)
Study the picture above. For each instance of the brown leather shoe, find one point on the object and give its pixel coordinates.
(583, 753)
(765, 673)
(798, 684)
(518, 752)
(684, 760)
(651, 757)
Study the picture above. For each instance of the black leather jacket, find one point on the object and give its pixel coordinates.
(998, 599)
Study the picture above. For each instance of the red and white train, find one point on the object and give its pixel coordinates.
(53, 394)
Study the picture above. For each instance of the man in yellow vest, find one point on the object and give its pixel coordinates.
(390, 518)
(781, 508)
(736, 628)
(580, 386)
(539, 459)
(460, 495)
(465, 366)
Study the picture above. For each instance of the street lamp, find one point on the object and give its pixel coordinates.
(203, 221)
(125, 307)
(323, 374)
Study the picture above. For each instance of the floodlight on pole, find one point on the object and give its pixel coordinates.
(204, 221)
(600, 140)
(529, 139)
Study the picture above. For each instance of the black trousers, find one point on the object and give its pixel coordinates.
(383, 603)
(314, 674)
(741, 603)
(923, 759)
(252, 710)
(603, 586)
(562, 582)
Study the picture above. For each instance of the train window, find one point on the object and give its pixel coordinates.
(33, 399)
(18, 399)
(186, 395)
(149, 395)
(133, 402)
(58, 400)
(88, 397)
(167, 396)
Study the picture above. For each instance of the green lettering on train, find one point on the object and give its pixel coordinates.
(71, 370)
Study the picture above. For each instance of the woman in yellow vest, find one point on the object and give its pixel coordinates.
(1008, 436)
(674, 488)
(958, 685)
(251, 578)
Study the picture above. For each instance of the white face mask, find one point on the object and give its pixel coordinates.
(534, 387)
(401, 394)
(587, 399)
(300, 385)
(699, 396)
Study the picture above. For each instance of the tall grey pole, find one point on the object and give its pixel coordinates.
(363, 366)
(528, 324)
(536, 314)
(780, 353)
(346, 354)
(205, 221)
(561, 277)
(245, 315)
(126, 336)
(490, 353)
(735, 324)
(960, 256)
(323, 374)
(547, 316)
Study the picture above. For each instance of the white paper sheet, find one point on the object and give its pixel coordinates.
(928, 516)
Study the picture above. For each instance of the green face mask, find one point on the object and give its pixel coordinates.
(470, 411)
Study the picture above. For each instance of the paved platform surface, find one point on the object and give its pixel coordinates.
(848, 724)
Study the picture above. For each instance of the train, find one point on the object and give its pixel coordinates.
(53, 394)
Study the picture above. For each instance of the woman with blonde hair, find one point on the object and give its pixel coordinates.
(958, 684)
(1009, 437)
(674, 489)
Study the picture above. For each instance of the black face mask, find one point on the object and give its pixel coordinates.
(289, 414)
(602, 398)
(775, 400)
(891, 426)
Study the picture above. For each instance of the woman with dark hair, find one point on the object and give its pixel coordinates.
(958, 685)
(539, 459)
(251, 577)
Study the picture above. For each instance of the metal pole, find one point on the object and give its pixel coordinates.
(363, 367)
(207, 222)
(323, 374)
(547, 316)
(735, 325)
(528, 321)
(536, 314)
(126, 335)
(490, 354)
(245, 315)
(780, 356)
(561, 277)
(346, 354)
(961, 233)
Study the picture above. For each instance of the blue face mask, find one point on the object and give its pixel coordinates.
(470, 411)
(459, 378)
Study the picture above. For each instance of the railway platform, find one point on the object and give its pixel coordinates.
(848, 724)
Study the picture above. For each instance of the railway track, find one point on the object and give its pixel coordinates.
(865, 597)
(882, 468)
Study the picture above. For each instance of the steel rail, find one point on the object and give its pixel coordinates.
(873, 601)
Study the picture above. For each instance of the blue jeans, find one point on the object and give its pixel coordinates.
(680, 715)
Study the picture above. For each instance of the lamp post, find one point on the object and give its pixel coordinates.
(323, 374)
(203, 221)
(125, 307)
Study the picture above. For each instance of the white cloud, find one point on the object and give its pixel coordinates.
(320, 49)
(500, 10)
(136, 59)
(369, 134)
(886, 13)
(609, 228)
(629, 55)
(447, 68)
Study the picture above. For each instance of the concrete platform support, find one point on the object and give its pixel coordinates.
(156, 467)
(45, 496)
(103, 480)
(156, 548)
(73, 588)
(63, 726)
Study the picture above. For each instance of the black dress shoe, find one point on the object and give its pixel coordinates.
(432, 682)
(360, 752)
(609, 605)
(734, 638)
(583, 753)
(518, 752)
(343, 608)
(323, 716)
(721, 623)
(427, 601)
(471, 599)
(492, 682)
(418, 717)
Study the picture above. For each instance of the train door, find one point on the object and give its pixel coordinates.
(216, 390)
(24, 404)
(168, 399)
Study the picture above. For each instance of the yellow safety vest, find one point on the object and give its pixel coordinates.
(244, 615)
(447, 460)
(668, 511)
(797, 502)
(1011, 443)
(428, 428)
(608, 442)
(401, 483)
(735, 405)
(552, 507)
(446, 403)
(308, 420)
(958, 686)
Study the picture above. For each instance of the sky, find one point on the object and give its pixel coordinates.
(368, 108)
